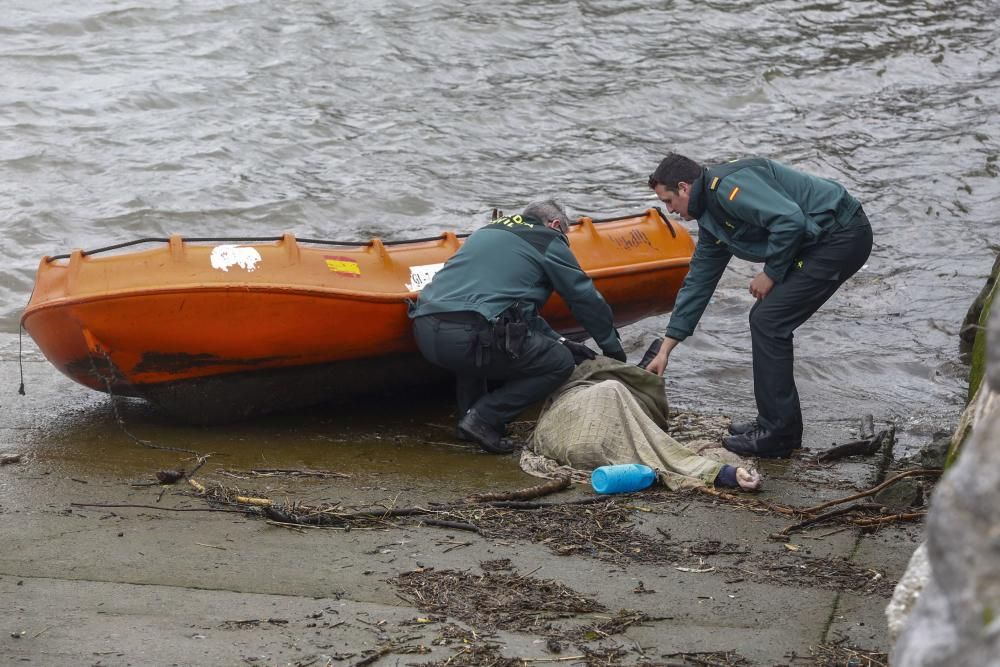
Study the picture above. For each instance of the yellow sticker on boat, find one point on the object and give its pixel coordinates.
(343, 266)
(732, 195)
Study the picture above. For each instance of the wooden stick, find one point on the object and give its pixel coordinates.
(829, 515)
(388, 648)
(552, 486)
(563, 659)
(457, 525)
(889, 519)
(259, 502)
(865, 447)
(780, 509)
(163, 509)
(922, 472)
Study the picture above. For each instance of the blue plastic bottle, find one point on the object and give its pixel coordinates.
(623, 478)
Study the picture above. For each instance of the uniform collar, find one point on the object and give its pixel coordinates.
(696, 196)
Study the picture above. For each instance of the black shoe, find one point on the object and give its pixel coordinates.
(474, 428)
(651, 352)
(743, 427)
(763, 444)
(460, 434)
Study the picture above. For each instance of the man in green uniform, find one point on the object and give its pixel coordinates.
(811, 236)
(479, 318)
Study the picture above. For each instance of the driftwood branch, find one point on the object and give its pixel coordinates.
(749, 502)
(528, 493)
(922, 472)
(892, 518)
(831, 515)
(864, 447)
(457, 525)
(283, 472)
(327, 516)
(161, 509)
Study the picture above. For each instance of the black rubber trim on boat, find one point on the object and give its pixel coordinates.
(666, 221)
(266, 239)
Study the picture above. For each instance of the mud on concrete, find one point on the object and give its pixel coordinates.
(653, 578)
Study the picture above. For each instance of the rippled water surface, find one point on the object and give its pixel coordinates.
(344, 120)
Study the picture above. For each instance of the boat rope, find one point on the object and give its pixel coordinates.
(270, 239)
(20, 334)
(106, 379)
(666, 221)
(20, 365)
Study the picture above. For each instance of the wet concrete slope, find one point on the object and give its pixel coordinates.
(696, 575)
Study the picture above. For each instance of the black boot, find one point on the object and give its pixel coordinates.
(460, 434)
(476, 429)
(763, 443)
(743, 427)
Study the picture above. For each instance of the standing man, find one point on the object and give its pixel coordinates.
(479, 318)
(811, 236)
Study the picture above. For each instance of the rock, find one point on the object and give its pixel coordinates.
(956, 619)
(903, 494)
(973, 339)
(930, 456)
(907, 591)
(970, 326)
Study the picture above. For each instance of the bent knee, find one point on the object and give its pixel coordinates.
(564, 361)
(762, 323)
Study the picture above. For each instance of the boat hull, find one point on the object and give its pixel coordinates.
(284, 324)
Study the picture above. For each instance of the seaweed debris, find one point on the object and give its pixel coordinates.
(493, 600)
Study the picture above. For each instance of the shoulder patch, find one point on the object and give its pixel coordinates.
(736, 191)
(715, 184)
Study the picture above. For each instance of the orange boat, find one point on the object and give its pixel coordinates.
(214, 329)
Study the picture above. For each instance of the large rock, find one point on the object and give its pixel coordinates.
(956, 618)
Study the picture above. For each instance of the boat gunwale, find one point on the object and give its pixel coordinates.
(318, 291)
(48, 259)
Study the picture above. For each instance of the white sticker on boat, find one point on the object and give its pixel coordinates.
(421, 276)
(225, 256)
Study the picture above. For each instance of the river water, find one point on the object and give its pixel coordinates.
(123, 119)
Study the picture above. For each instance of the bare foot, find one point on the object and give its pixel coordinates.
(749, 480)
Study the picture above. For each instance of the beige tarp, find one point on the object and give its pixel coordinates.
(607, 413)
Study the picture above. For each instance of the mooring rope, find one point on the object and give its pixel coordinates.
(20, 366)
(117, 414)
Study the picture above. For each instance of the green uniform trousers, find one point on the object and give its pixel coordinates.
(464, 342)
(773, 319)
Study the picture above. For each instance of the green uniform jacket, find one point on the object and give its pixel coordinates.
(758, 210)
(518, 260)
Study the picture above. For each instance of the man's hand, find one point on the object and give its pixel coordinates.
(659, 362)
(761, 285)
(580, 352)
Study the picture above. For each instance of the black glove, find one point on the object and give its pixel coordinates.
(619, 355)
(580, 352)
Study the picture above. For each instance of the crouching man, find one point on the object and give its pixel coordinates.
(479, 318)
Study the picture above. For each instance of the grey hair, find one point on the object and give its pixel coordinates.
(547, 210)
